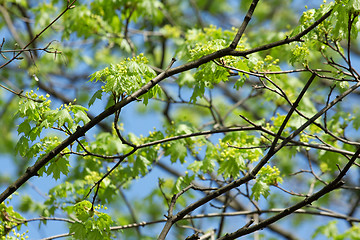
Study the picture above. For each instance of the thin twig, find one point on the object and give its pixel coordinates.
(19, 94)
(69, 6)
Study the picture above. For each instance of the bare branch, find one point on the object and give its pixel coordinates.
(244, 24)
(336, 183)
(68, 7)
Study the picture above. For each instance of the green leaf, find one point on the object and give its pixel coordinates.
(232, 166)
(267, 176)
(259, 188)
(177, 186)
(208, 165)
(57, 166)
(79, 230)
(181, 183)
(81, 116)
(63, 116)
(199, 91)
(356, 122)
(22, 146)
(328, 161)
(195, 166)
(97, 95)
(24, 127)
(27, 108)
(126, 77)
(104, 221)
(82, 210)
(186, 78)
(34, 150)
(177, 150)
(329, 230)
(141, 164)
(94, 235)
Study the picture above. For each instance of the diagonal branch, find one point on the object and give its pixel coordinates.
(244, 24)
(336, 183)
(292, 110)
(287, 40)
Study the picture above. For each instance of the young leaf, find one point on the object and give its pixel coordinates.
(57, 166)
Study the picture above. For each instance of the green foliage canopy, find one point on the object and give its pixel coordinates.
(253, 117)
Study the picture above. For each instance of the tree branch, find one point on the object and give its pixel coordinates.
(336, 183)
(287, 40)
(244, 24)
(32, 171)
